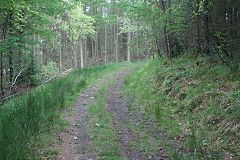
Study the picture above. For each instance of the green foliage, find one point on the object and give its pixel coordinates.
(78, 25)
(30, 71)
(48, 71)
(149, 19)
(193, 99)
(19, 21)
(24, 118)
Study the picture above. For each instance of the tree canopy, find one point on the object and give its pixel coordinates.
(89, 32)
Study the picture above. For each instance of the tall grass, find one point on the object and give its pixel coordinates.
(23, 118)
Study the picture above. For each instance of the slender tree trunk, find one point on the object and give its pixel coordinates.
(42, 54)
(116, 43)
(1, 63)
(10, 63)
(128, 46)
(167, 38)
(157, 45)
(20, 54)
(198, 28)
(81, 53)
(73, 63)
(10, 54)
(76, 57)
(106, 39)
(85, 41)
(121, 45)
(167, 33)
(96, 49)
(206, 27)
(4, 31)
(168, 44)
(10, 66)
(31, 83)
(60, 55)
(114, 40)
(85, 51)
(93, 57)
(231, 30)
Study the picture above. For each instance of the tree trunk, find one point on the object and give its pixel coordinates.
(198, 28)
(81, 53)
(167, 38)
(60, 55)
(10, 54)
(93, 57)
(4, 31)
(168, 46)
(85, 51)
(128, 46)
(106, 39)
(116, 43)
(73, 63)
(206, 27)
(96, 49)
(2, 91)
(20, 51)
(10, 66)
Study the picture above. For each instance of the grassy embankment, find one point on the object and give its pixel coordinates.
(23, 120)
(193, 101)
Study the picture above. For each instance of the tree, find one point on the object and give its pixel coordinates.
(77, 25)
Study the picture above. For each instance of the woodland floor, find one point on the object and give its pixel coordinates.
(126, 133)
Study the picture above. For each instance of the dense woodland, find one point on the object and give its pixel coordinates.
(187, 78)
(39, 35)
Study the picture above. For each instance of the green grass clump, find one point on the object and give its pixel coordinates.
(23, 119)
(195, 100)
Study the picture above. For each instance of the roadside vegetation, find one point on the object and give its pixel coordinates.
(195, 101)
(24, 119)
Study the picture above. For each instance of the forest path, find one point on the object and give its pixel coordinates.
(104, 127)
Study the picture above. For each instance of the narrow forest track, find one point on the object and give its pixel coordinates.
(77, 141)
(127, 121)
(118, 107)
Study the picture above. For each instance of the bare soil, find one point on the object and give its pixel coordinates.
(76, 141)
(120, 112)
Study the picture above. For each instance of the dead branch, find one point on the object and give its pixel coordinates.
(144, 55)
(50, 79)
(15, 80)
(66, 72)
(55, 76)
(5, 98)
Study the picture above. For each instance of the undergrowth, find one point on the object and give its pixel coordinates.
(194, 100)
(23, 119)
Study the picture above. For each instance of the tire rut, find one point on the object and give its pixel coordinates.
(76, 142)
(119, 109)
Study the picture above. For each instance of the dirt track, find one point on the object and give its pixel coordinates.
(76, 138)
